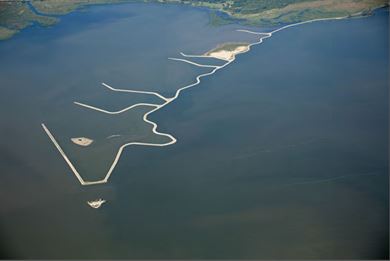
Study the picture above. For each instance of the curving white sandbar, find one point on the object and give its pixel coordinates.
(193, 63)
(165, 99)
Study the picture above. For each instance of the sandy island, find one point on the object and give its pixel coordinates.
(82, 141)
(96, 203)
(228, 51)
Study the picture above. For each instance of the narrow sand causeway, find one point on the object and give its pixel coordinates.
(226, 52)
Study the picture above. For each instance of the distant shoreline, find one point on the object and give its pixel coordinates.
(48, 13)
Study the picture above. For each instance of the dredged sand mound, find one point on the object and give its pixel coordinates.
(228, 51)
(82, 141)
(96, 203)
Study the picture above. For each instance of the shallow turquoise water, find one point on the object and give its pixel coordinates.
(283, 154)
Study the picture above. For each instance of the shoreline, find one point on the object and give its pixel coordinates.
(54, 17)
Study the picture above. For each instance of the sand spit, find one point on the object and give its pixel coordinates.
(82, 141)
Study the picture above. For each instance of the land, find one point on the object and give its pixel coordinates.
(82, 141)
(17, 15)
(96, 203)
(268, 12)
(6, 33)
(61, 7)
(228, 51)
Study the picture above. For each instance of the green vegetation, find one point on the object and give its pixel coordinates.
(6, 33)
(273, 12)
(218, 20)
(16, 15)
(61, 7)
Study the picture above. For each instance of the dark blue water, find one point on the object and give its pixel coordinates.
(283, 154)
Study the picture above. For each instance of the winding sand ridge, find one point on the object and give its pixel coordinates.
(220, 53)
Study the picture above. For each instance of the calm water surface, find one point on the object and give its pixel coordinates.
(283, 154)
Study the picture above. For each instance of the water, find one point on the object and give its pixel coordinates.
(282, 154)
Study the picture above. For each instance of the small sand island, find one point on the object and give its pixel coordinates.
(82, 141)
(96, 203)
(228, 51)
